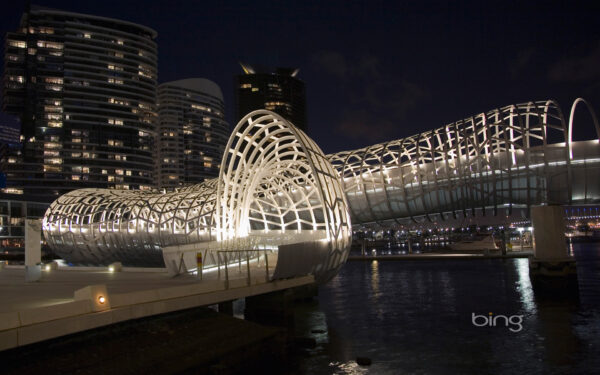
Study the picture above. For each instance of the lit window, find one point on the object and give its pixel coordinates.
(55, 80)
(245, 86)
(114, 121)
(54, 87)
(201, 107)
(19, 79)
(12, 191)
(17, 43)
(45, 44)
(115, 142)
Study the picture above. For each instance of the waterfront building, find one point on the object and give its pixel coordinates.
(84, 88)
(192, 132)
(277, 90)
(14, 209)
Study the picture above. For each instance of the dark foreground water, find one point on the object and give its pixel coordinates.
(416, 317)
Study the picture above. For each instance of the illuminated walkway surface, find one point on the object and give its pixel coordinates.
(277, 188)
(58, 286)
(33, 312)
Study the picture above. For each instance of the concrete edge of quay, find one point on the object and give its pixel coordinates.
(440, 256)
(19, 328)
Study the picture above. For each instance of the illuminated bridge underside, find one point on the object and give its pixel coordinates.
(276, 187)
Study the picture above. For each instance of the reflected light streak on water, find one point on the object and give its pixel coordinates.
(524, 285)
(416, 317)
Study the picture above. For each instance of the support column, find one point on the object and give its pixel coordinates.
(33, 250)
(551, 267)
(276, 308)
(226, 308)
(363, 247)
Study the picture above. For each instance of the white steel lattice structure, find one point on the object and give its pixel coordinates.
(277, 188)
(516, 156)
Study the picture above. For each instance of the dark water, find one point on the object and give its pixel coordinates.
(416, 317)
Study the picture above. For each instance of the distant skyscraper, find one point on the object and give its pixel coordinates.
(192, 131)
(84, 88)
(278, 91)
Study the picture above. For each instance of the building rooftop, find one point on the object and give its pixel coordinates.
(197, 84)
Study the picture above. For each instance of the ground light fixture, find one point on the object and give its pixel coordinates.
(101, 300)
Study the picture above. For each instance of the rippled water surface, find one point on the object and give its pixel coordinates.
(416, 317)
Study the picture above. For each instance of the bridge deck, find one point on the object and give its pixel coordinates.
(33, 312)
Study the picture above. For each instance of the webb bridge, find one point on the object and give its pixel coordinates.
(277, 192)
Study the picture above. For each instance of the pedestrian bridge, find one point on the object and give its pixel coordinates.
(277, 192)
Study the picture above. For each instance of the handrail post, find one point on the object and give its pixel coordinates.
(218, 264)
(267, 265)
(226, 272)
(248, 267)
(203, 261)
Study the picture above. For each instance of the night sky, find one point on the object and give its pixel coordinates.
(376, 71)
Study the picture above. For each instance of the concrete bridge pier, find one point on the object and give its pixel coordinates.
(276, 308)
(551, 268)
(33, 250)
(226, 308)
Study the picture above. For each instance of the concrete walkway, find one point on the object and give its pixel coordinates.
(49, 308)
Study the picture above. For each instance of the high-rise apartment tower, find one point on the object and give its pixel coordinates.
(192, 132)
(277, 90)
(84, 88)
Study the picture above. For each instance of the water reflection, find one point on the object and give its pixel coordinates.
(375, 279)
(415, 317)
(524, 285)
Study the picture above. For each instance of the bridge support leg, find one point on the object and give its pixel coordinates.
(551, 268)
(363, 247)
(33, 250)
(275, 308)
(226, 308)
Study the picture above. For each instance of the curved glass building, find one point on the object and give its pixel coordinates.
(192, 131)
(84, 88)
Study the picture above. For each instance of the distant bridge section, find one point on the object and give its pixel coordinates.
(487, 165)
